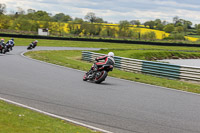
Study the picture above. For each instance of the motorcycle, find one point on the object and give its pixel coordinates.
(7, 48)
(96, 74)
(31, 46)
(2, 48)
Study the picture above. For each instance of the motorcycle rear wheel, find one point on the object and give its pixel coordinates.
(100, 77)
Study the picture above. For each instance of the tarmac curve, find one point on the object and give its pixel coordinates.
(116, 105)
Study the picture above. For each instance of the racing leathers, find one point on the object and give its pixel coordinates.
(108, 61)
(2, 45)
(34, 44)
(10, 44)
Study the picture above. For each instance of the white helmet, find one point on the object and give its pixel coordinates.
(111, 54)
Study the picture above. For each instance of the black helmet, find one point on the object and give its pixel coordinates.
(12, 39)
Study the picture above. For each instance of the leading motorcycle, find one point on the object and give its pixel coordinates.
(31, 46)
(98, 75)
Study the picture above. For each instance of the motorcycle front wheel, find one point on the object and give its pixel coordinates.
(4, 51)
(85, 77)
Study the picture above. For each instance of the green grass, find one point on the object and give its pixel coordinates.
(73, 59)
(62, 43)
(14, 119)
(152, 54)
(197, 36)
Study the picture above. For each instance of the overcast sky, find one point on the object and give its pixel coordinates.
(115, 10)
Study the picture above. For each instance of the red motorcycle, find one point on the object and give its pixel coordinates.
(2, 48)
(98, 75)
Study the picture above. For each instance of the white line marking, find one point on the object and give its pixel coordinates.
(56, 116)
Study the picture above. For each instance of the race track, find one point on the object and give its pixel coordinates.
(116, 105)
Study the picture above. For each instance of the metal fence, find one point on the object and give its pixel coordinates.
(149, 67)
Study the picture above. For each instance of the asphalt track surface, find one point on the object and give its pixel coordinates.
(116, 105)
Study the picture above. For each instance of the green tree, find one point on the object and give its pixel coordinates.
(41, 16)
(169, 28)
(159, 26)
(179, 29)
(5, 22)
(179, 24)
(175, 20)
(151, 24)
(149, 36)
(177, 36)
(58, 17)
(157, 21)
(108, 32)
(135, 22)
(61, 17)
(2, 8)
(198, 29)
(21, 24)
(187, 25)
(89, 29)
(99, 20)
(136, 33)
(91, 17)
(78, 20)
(123, 28)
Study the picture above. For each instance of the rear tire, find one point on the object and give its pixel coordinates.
(100, 78)
(4, 51)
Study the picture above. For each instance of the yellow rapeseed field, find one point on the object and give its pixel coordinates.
(192, 39)
(159, 34)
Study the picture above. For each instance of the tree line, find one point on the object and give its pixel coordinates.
(31, 20)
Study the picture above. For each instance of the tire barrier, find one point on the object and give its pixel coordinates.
(150, 67)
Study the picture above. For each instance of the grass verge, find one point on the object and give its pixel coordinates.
(73, 59)
(153, 54)
(62, 43)
(16, 119)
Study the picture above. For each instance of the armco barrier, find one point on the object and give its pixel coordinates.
(149, 67)
(161, 69)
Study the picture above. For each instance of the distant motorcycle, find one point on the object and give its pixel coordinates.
(31, 46)
(99, 75)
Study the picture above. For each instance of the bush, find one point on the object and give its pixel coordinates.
(175, 36)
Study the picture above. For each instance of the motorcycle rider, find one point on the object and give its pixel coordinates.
(109, 60)
(2, 45)
(10, 43)
(34, 43)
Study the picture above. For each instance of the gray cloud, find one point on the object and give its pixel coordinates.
(116, 10)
